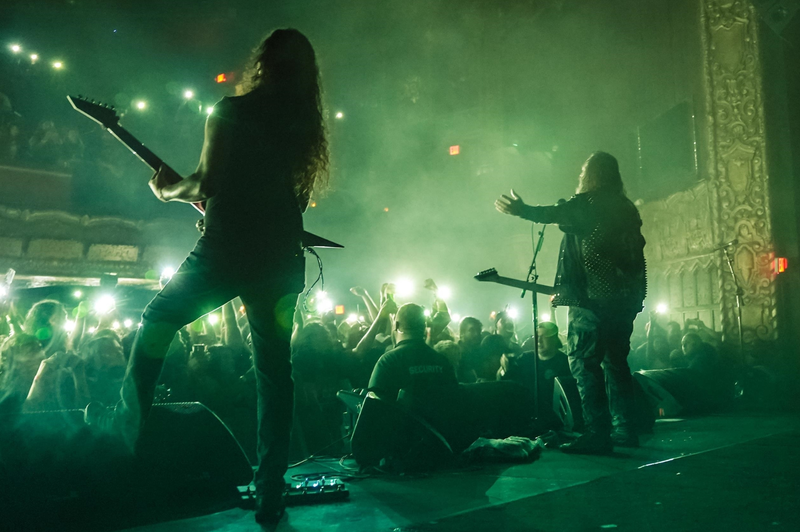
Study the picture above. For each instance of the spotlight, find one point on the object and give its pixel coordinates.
(545, 317)
(128, 323)
(209, 110)
(427, 312)
(115, 325)
(456, 317)
(104, 304)
(69, 325)
(58, 65)
(352, 318)
(361, 319)
(662, 308)
(141, 105)
(167, 272)
(404, 288)
(512, 313)
(16, 48)
(213, 319)
(339, 115)
(188, 94)
(444, 292)
(92, 330)
(324, 305)
(34, 58)
(77, 294)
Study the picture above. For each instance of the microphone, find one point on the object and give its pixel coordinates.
(726, 245)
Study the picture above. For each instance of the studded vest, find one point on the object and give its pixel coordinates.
(601, 263)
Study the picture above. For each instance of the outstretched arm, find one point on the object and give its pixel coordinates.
(566, 213)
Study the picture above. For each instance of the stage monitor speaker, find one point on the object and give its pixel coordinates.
(384, 431)
(567, 404)
(568, 409)
(185, 454)
(684, 391)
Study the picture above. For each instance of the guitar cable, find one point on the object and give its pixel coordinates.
(320, 278)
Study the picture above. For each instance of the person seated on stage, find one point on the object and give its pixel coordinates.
(493, 348)
(504, 326)
(412, 366)
(553, 363)
(695, 354)
(469, 340)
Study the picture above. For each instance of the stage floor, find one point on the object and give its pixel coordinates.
(726, 472)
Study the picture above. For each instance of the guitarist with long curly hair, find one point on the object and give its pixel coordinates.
(264, 153)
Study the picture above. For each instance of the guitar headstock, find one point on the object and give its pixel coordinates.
(487, 275)
(103, 114)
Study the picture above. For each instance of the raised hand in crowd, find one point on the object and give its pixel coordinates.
(372, 309)
(388, 308)
(60, 382)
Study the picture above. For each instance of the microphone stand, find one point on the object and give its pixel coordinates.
(739, 303)
(533, 276)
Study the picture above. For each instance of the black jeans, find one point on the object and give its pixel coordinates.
(207, 279)
(599, 343)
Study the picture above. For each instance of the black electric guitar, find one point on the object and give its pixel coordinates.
(492, 276)
(106, 116)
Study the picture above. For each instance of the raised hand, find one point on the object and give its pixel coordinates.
(512, 205)
(388, 307)
(359, 291)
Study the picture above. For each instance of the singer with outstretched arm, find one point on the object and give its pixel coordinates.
(601, 277)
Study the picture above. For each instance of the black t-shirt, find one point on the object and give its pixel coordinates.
(256, 203)
(412, 366)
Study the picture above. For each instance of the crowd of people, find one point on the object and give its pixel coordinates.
(57, 357)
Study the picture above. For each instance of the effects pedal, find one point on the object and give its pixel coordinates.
(315, 491)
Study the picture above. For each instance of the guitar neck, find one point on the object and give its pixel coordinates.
(140, 150)
(144, 154)
(533, 287)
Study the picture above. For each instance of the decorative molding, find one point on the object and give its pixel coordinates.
(738, 189)
(54, 246)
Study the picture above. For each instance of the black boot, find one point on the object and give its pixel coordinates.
(623, 437)
(589, 443)
(270, 509)
(130, 413)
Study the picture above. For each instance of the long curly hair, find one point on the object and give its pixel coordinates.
(601, 172)
(284, 69)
